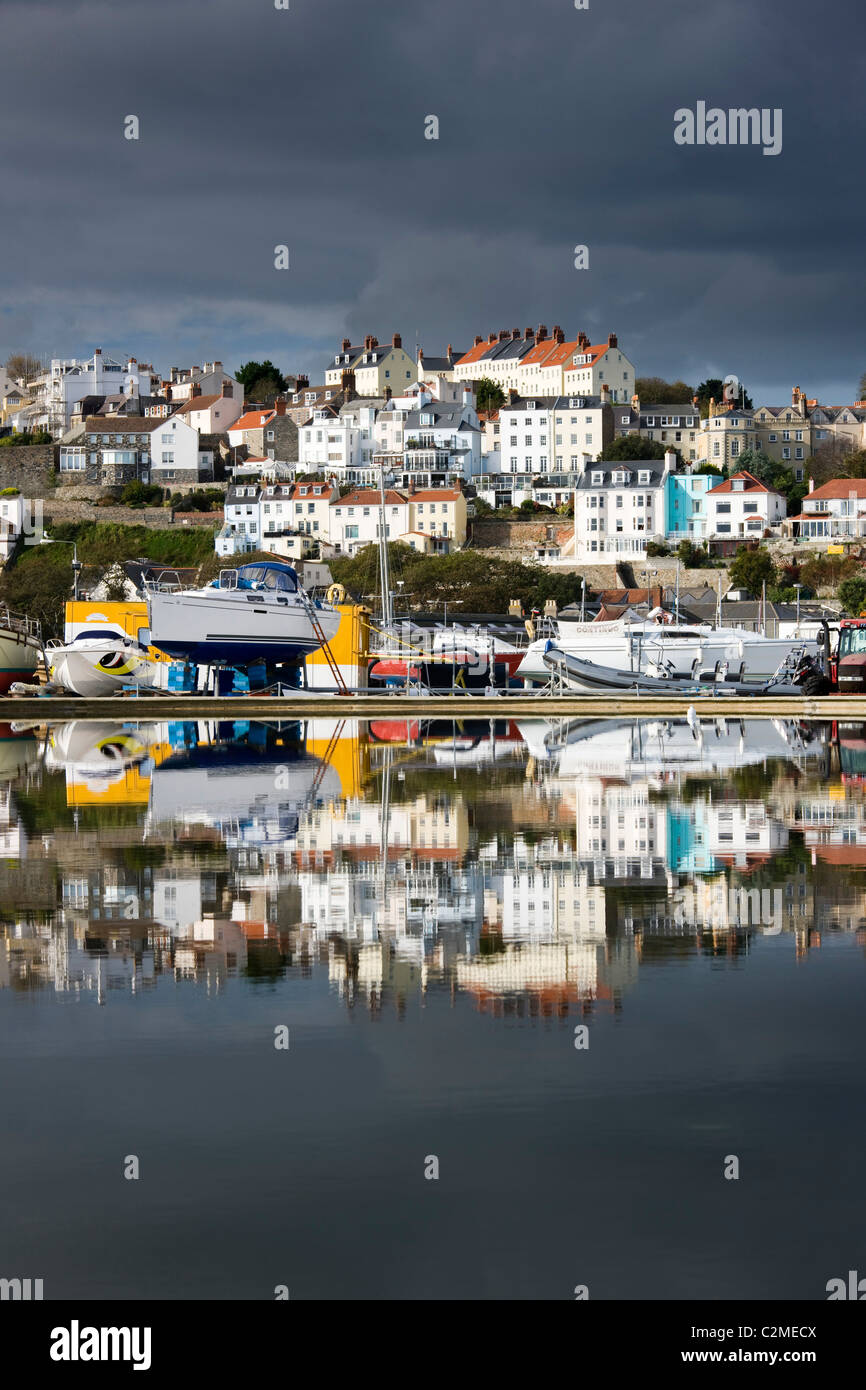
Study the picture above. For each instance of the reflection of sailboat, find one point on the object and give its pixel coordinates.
(649, 747)
(254, 790)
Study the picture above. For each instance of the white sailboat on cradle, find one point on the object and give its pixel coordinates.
(258, 612)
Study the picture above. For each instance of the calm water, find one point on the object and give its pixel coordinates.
(437, 915)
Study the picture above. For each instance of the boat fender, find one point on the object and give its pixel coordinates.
(336, 594)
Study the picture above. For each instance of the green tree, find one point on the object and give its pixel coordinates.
(474, 582)
(710, 468)
(262, 381)
(26, 437)
(488, 395)
(751, 569)
(631, 447)
(40, 587)
(713, 389)
(654, 390)
(23, 366)
(692, 556)
(852, 594)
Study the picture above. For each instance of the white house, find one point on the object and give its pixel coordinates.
(241, 530)
(175, 455)
(595, 365)
(742, 507)
(215, 413)
(618, 507)
(70, 379)
(355, 518)
(331, 442)
(299, 508)
(834, 511)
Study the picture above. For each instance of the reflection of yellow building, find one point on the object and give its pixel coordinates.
(344, 745)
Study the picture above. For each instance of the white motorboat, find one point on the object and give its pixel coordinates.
(101, 663)
(258, 612)
(683, 649)
(631, 748)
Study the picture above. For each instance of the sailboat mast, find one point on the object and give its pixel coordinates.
(387, 616)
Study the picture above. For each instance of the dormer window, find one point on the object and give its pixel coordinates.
(643, 477)
(597, 479)
(738, 484)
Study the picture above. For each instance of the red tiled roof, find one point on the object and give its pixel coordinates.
(198, 403)
(475, 353)
(369, 497)
(253, 420)
(753, 485)
(597, 349)
(839, 488)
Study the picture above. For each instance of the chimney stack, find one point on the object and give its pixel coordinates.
(226, 390)
(194, 390)
(302, 382)
(611, 340)
(512, 395)
(670, 461)
(346, 344)
(397, 341)
(280, 405)
(388, 393)
(515, 334)
(478, 340)
(503, 334)
(530, 333)
(492, 338)
(811, 484)
(542, 332)
(347, 385)
(368, 343)
(558, 335)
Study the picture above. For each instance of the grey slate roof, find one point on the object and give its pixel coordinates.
(635, 467)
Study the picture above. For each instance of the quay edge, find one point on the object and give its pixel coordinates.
(55, 709)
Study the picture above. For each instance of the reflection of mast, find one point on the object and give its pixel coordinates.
(384, 574)
(385, 819)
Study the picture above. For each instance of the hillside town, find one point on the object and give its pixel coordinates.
(532, 444)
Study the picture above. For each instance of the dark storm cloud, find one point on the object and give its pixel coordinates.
(261, 126)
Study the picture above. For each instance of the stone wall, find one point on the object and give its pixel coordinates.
(489, 532)
(60, 508)
(28, 466)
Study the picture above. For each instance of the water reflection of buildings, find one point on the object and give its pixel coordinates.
(198, 852)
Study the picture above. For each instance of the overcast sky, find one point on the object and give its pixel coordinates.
(261, 126)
